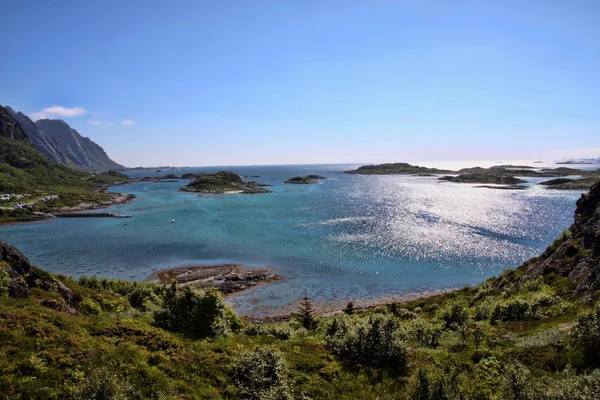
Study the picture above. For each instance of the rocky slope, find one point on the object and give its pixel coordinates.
(576, 254)
(39, 138)
(9, 128)
(80, 151)
(58, 141)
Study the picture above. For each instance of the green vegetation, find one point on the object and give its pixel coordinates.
(24, 170)
(222, 182)
(396, 169)
(135, 341)
(483, 177)
(301, 180)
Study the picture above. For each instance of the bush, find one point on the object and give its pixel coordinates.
(585, 338)
(423, 333)
(261, 374)
(373, 341)
(513, 310)
(104, 383)
(4, 281)
(142, 297)
(90, 306)
(454, 316)
(517, 383)
(195, 313)
(403, 313)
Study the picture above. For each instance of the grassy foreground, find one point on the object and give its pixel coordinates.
(124, 340)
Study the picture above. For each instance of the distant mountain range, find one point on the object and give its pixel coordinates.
(57, 140)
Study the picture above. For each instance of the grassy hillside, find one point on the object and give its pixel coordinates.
(532, 333)
(23, 169)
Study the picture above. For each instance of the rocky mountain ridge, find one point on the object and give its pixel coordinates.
(57, 140)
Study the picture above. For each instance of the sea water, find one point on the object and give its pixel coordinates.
(347, 237)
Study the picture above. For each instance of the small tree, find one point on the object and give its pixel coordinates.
(306, 313)
(349, 308)
(261, 374)
(478, 337)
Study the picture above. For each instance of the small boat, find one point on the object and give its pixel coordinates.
(172, 221)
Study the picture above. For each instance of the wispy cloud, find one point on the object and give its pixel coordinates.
(107, 123)
(128, 122)
(59, 112)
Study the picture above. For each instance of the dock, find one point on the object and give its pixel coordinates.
(89, 215)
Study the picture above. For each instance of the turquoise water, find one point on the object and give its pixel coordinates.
(348, 237)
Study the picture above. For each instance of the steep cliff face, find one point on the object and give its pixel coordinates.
(576, 254)
(57, 140)
(74, 149)
(9, 128)
(39, 138)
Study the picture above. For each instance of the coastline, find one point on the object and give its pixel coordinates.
(332, 307)
(117, 199)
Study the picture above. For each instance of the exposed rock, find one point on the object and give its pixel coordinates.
(10, 128)
(483, 178)
(575, 255)
(223, 182)
(14, 258)
(316, 177)
(58, 306)
(18, 288)
(72, 148)
(300, 180)
(228, 278)
(583, 184)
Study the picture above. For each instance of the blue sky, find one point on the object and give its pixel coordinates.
(310, 81)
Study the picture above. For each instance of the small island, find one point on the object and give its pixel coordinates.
(301, 180)
(570, 184)
(396, 169)
(223, 182)
(499, 179)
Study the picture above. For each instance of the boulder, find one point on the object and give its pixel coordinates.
(14, 258)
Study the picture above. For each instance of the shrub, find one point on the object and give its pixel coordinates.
(454, 316)
(349, 309)
(261, 374)
(585, 338)
(482, 312)
(423, 333)
(372, 341)
(104, 383)
(4, 281)
(403, 313)
(195, 313)
(517, 383)
(142, 297)
(90, 306)
(513, 310)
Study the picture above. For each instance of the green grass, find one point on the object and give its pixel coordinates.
(48, 354)
(23, 169)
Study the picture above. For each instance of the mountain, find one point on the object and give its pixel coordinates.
(9, 128)
(57, 140)
(41, 141)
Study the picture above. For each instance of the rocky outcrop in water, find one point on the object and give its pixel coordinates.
(223, 182)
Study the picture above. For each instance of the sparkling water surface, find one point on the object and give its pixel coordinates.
(348, 237)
